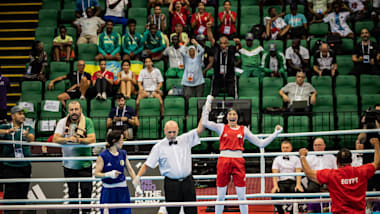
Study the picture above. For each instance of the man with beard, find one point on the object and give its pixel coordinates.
(18, 132)
(175, 58)
(76, 129)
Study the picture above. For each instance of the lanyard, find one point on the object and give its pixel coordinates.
(13, 135)
(297, 90)
(229, 19)
(199, 19)
(179, 15)
(293, 20)
(157, 22)
(152, 37)
(117, 112)
(88, 4)
(131, 37)
(108, 38)
(369, 43)
(104, 72)
(221, 57)
(78, 77)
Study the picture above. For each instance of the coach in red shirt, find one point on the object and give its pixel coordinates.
(347, 185)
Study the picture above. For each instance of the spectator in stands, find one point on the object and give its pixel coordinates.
(192, 80)
(224, 65)
(37, 63)
(338, 22)
(325, 61)
(375, 15)
(150, 82)
(155, 42)
(276, 28)
(357, 158)
(273, 62)
(158, 18)
(297, 23)
(297, 58)
(318, 162)
(109, 44)
(88, 27)
(286, 164)
(178, 30)
(102, 81)
(4, 86)
(208, 55)
(82, 5)
(318, 9)
(357, 8)
(127, 80)
(274, 2)
(155, 3)
(365, 54)
(175, 58)
(249, 56)
(62, 46)
(122, 117)
(133, 43)
(200, 19)
(227, 19)
(78, 129)
(115, 12)
(179, 14)
(80, 82)
(298, 91)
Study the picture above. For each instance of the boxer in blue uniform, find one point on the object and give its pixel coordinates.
(110, 167)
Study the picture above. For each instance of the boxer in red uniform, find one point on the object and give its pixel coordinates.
(231, 161)
(347, 184)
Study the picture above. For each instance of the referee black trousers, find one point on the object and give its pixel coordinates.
(180, 191)
(286, 186)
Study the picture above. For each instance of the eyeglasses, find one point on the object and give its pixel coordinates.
(172, 132)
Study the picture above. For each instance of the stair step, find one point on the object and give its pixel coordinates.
(14, 59)
(23, 6)
(21, 52)
(17, 24)
(14, 48)
(27, 15)
(16, 41)
(17, 33)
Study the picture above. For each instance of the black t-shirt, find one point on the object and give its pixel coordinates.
(75, 77)
(208, 52)
(371, 50)
(224, 60)
(324, 62)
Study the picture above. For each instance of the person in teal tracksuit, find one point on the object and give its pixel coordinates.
(132, 42)
(155, 42)
(109, 44)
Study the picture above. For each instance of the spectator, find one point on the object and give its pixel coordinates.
(175, 58)
(297, 23)
(274, 62)
(325, 61)
(275, 26)
(179, 14)
(227, 18)
(375, 15)
(133, 43)
(365, 55)
(178, 30)
(318, 9)
(249, 56)
(155, 42)
(298, 91)
(122, 117)
(150, 82)
(82, 5)
(158, 18)
(357, 158)
(102, 81)
(357, 8)
(127, 80)
(76, 128)
(224, 65)
(208, 56)
(16, 131)
(109, 44)
(338, 22)
(37, 63)
(199, 20)
(115, 12)
(155, 3)
(286, 164)
(88, 27)
(4, 86)
(62, 45)
(297, 58)
(192, 80)
(80, 82)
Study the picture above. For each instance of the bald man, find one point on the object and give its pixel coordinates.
(173, 156)
(325, 61)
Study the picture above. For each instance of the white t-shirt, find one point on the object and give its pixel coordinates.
(278, 23)
(175, 57)
(89, 26)
(151, 80)
(118, 11)
(334, 26)
(355, 5)
(289, 54)
(286, 164)
(376, 4)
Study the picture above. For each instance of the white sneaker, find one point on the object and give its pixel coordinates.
(82, 97)
(104, 96)
(98, 96)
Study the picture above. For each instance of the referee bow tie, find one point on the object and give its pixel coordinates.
(285, 157)
(172, 142)
(319, 155)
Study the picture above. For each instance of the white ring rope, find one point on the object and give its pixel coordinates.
(168, 204)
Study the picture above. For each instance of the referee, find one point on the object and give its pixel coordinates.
(173, 155)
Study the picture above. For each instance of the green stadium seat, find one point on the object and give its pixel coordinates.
(148, 128)
(140, 27)
(244, 29)
(48, 112)
(347, 45)
(298, 124)
(87, 51)
(369, 100)
(69, 4)
(255, 104)
(324, 122)
(160, 65)
(59, 87)
(249, 87)
(269, 123)
(149, 107)
(100, 126)
(369, 84)
(193, 106)
(171, 83)
(319, 29)
(250, 15)
(272, 85)
(47, 18)
(211, 10)
(324, 103)
(279, 44)
(51, 4)
(83, 104)
(139, 4)
(131, 103)
(174, 106)
(100, 108)
(118, 28)
(345, 84)
(346, 103)
(345, 64)
(359, 25)
(207, 87)
(244, 3)
(67, 16)
(323, 84)
(138, 13)
(31, 91)
(58, 69)
(43, 33)
(272, 101)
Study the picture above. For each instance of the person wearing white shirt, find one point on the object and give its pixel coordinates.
(173, 156)
(338, 22)
(357, 158)
(286, 164)
(297, 58)
(276, 28)
(115, 11)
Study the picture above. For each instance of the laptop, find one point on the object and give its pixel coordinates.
(299, 104)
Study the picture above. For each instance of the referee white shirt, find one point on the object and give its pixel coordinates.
(286, 164)
(174, 160)
(357, 159)
(318, 162)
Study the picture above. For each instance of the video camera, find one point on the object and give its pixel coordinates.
(370, 118)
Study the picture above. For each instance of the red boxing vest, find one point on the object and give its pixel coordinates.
(232, 139)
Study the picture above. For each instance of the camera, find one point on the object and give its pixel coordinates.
(370, 118)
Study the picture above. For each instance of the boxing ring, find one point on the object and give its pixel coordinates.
(202, 200)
